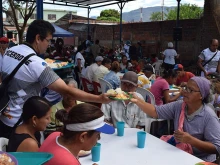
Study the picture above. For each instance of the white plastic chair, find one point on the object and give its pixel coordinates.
(144, 93)
(3, 144)
(104, 84)
(157, 67)
(149, 120)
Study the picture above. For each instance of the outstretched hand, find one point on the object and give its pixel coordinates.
(105, 98)
(134, 98)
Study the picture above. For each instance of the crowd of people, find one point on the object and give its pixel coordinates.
(71, 124)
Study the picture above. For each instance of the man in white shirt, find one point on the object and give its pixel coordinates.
(206, 55)
(103, 69)
(125, 110)
(90, 72)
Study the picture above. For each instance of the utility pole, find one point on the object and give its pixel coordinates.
(177, 23)
(1, 21)
(141, 15)
(162, 5)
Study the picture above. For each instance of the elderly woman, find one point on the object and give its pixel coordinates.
(201, 128)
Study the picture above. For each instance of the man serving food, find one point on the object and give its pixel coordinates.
(123, 109)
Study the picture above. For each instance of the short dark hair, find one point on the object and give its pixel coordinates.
(134, 58)
(41, 27)
(106, 61)
(80, 113)
(35, 106)
(169, 73)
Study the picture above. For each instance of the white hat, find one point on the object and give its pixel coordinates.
(99, 58)
(170, 44)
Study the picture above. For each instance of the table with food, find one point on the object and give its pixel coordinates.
(60, 67)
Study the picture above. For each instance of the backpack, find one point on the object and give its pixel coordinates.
(4, 98)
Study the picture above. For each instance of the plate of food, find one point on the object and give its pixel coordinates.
(83, 153)
(118, 94)
(205, 163)
(7, 159)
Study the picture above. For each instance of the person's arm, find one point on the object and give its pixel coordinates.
(199, 63)
(204, 146)
(60, 87)
(79, 64)
(28, 145)
(218, 67)
(147, 108)
(169, 99)
(106, 109)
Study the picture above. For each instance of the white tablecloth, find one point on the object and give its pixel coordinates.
(123, 151)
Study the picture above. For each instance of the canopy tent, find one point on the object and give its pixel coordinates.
(59, 32)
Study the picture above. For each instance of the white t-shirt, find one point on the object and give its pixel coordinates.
(80, 56)
(100, 73)
(27, 82)
(90, 73)
(205, 55)
(169, 56)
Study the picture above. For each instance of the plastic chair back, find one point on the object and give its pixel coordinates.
(144, 93)
(104, 84)
(96, 87)
(85, 83)
(3, 144)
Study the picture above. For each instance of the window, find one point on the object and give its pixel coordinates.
(51, 16)
(33, 16)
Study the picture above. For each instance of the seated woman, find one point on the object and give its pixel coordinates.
(66, 103)
(125, 65)
(36, 117)
(161, 85)
(201, 128)
(82, 127)
(112, 76)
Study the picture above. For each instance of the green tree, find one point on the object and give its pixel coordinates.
(109, 15)
(156, 16)
(25, 10)
(187, 11)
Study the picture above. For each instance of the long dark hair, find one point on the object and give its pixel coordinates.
(80, 113)
(35, 106)
(169, 73)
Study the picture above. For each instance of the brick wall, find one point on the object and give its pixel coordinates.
(154, 36)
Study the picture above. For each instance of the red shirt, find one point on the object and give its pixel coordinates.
(61, 155)
(184, 78)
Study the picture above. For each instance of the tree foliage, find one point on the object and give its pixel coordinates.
(109, 15)
(24, 8)
(156, 16)
(187, 11)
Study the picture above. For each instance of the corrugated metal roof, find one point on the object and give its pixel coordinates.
(86, 3)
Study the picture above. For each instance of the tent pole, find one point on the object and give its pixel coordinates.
(121, 6)
(89, 9)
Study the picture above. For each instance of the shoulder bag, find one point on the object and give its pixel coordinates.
(4, 98)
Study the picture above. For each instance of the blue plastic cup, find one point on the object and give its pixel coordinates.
(171, 86)
(141, 136)
(96, 152)
(152, 82)
(120, 128)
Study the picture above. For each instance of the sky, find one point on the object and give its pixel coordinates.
(128, 6)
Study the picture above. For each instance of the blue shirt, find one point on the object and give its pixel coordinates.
(113, 79)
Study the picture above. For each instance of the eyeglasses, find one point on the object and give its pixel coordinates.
(188, 90)
(48, 40)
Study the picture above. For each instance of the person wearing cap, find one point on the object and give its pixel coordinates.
(90, 72)
(201, 128)
(169, 56)
(112, 76)
(103, 69)
(82, 128)
(3, 47)
(161, 86)
(183, 76)
(205, 56)
(125, 111)
(35, 75)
